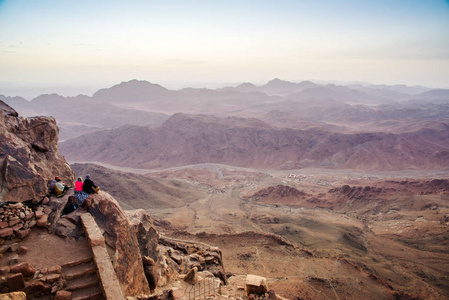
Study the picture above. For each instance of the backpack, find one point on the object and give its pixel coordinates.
(68, 208)
(59, 188)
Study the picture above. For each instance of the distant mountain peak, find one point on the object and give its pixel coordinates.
(136, 89)
(139, 83)
(246, 85)
(279, 81)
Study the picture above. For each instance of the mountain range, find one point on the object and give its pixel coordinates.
(278, 125)
(194, 139)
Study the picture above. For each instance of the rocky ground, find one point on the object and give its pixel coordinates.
(347, 236)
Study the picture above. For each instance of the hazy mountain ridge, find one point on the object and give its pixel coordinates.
(143, 95)
(307, 105)
(186, 139)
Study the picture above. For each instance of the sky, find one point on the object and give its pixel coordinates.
(77, 47)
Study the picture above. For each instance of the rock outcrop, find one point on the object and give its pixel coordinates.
(148, 238)
(122, 241)
(29, 156)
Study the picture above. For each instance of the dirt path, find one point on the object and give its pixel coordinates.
(46, 250)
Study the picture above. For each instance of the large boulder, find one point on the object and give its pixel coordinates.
(29, 156)
(121, 240)
(256, 285)
(142, 225)
(146, 233)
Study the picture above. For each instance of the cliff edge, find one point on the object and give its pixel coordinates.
(29, 156)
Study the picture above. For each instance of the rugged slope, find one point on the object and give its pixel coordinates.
(140, 191)
(184, 140)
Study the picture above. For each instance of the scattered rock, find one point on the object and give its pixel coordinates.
(66, 228)
(42, 222)
(194, 261)
(4, 248)
(176, 255)
(178, 294)
(47, 210)
(22, 250)
(50, 278)
(15, 282)
(4, 270)
(24, 268)
(14, 296)
(6, 232)
(55, 270)
(13, 260)
(191, 276)
(14, 247)
(21, 234)
(45, 201)
(256, 285)
(63, 295)
(34, 286)
(38, 214)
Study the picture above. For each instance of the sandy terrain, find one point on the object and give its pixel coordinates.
(321, 234)
(323, 246)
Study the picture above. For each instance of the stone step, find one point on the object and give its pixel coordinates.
(82, 282)
(78, 271)
(77, 262)
(91, 293)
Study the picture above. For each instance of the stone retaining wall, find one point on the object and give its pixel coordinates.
(16, 219)
(106, 272)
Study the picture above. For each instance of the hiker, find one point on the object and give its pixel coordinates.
(60, 188)
(52, 185)
(89, 186)
(79, 185)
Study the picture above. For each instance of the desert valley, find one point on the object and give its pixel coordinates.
(329, 191)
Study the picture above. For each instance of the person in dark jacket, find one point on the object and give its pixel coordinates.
(89, 185)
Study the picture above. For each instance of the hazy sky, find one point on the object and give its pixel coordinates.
(79, 46)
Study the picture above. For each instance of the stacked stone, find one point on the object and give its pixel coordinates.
(16, 219)
(22, 276)
(35, 283)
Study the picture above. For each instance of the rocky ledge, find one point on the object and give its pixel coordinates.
(29, 156)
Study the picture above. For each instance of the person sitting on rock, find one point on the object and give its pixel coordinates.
(52, 185)
(79, 185)
(60, 187)
(89, 186)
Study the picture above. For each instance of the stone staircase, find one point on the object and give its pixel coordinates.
(82, 280)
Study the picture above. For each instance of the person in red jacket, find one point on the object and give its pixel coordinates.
(79, 185)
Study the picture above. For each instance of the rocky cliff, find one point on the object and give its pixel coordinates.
(29, 156)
